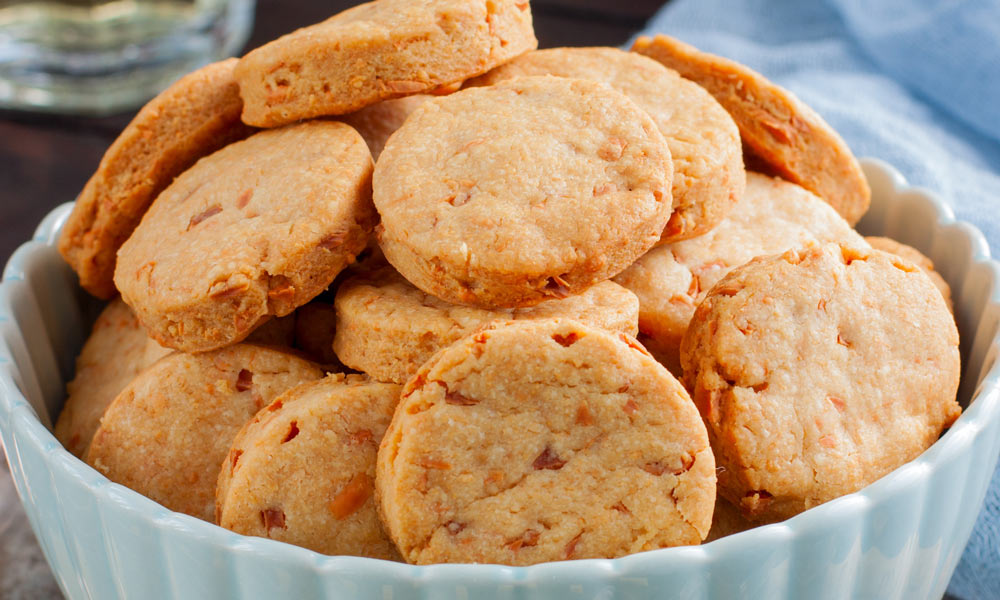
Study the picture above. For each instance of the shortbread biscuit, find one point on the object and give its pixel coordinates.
(376, 51)
(302, 471)
(779, 128)
(819, 371)
(377, 122)
(388, 328)
(530, 189)
(254, 230)
(167, 433)
(117, 350)
(534, 441)
(670, 280)
(916, 257)
(704, 141)
(194, 117)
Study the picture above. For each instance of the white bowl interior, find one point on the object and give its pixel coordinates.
(44, 318)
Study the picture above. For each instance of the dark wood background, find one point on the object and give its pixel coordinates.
(46, 159)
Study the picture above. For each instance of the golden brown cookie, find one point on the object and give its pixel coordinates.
(670, 280)
(376, 51)
(377, 122)
(194, 117)
(531, 189)
(779, 128)
(388, 328)
(302, 471)
(254, 230)
(117, 350)
(534, 441)
(916, 257)
(167, 433)
(703, 139)
(817, 372)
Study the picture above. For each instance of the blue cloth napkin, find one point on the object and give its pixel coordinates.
(913, 82)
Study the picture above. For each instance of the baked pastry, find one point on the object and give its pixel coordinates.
(377, 51)
(512, 194)
(703, 139)
(194, 117)
(388, 328)
(302, 470)
(250, 232)
(916, 257)
(167, 433)
(377, 122)
(671, 280)
(776, 126)
(817, 372)
(117, 350)
(533, 441)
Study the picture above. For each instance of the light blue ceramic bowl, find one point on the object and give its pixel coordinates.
(899, 538)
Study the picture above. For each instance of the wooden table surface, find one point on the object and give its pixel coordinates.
(46, 159)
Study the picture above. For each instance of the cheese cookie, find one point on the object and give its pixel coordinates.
(535, 441)
(250, 232)
(302, 470)
(819, 371)
(531, 189)
(376, 51)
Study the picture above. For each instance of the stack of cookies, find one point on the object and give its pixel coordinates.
(399, 285)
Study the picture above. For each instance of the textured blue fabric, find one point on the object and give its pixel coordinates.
(913, 82)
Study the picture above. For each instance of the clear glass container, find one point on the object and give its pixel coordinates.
(98, 57)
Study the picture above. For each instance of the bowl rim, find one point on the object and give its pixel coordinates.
(984, 407)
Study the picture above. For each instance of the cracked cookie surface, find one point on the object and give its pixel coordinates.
(387, 328)
(302, 471)
(195, 116)
(819, 371)
(703, 139)
(534, 441)
(250, 232)
(376, 51)
(671, 279)
(531, 189)
(777, 128)
(167, 433)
